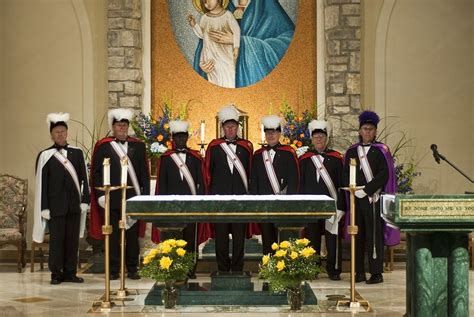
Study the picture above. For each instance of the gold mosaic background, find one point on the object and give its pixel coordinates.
(293, 79)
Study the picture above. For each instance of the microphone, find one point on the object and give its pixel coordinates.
(434, 148)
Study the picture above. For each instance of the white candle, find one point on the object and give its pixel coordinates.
(106, 172)
(203, 130)
(352, 173)
(124, 163)
(262, 132)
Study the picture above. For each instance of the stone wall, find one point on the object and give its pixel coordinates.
(125, 77)
(342, 29)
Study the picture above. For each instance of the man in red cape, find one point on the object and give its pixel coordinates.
(115, 148)
(275, 171)
(228, 163)
(321, 174)
(180, 171)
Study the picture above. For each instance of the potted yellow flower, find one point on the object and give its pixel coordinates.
(168, 262)
(292, 263)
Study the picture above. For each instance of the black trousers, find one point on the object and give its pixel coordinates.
(189, 235)
(222, 231)
(369, 238)
(269, 236)
(64, 245)
(132, 247)
(314, 232)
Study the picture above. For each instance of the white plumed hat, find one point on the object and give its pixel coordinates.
(272, 122)
(228, 113)
(178, 126)
(55, 119)
(319, 126)
(119, 114)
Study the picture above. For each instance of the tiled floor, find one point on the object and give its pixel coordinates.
(30, 294)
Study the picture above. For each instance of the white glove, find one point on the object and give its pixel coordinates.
(360, 193)
(333, 226)
(84, 208)
(46, 214)
(101, 201)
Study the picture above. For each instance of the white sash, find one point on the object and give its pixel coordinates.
(364, 163)
(70, 168)
(131, 170)
(237, 164)
(186, 173)
(271, 172)
(321, 169)
(133, 177)
(324, 175)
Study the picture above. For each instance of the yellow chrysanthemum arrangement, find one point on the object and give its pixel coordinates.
(294, 261)
(168, 261)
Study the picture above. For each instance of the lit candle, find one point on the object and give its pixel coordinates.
(124, 163)
(352, 172)
(106, 172)
(203, 130)
(262, 132)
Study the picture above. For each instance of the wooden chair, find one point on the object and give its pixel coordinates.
(13, 202)
(390, 252)
(40, 247)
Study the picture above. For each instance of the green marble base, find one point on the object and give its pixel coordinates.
(239, 291)
(437, 274)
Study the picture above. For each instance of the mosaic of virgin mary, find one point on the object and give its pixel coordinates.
(233, 43)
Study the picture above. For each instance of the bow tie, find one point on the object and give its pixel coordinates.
(231, 142)
(181, 150)
(274, 148)
(120, 141)
(368, 144)
(60, 147)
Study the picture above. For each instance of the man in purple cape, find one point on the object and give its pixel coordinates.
(375, 171)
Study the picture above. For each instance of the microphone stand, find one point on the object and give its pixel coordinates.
(454, 166)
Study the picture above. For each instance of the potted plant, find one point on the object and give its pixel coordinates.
(168, 262)
(293, 262)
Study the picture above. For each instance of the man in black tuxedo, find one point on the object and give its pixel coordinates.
(180, 172)
(62, 196)
(116, 148)
(228, 164)
(274, 172)
(321, 174)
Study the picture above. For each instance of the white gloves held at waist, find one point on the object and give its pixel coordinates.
(360, 193)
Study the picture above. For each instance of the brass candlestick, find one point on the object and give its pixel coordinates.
(352, 231)
(123, 292)
(107, 231)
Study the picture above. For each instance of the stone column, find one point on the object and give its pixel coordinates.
(342, 31)
(124, 37)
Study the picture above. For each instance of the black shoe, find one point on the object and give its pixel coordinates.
(360, 277)
(114, 276)
(56, 281)
(133, 276)
(375, 279)
(74, 279)
(334, 277)
(265, 287)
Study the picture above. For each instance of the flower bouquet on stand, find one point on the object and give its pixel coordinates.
(295, 130)
(293, 262)
(168, 262)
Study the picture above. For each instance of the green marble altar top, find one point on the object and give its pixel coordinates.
(432, 212)
(231, 208)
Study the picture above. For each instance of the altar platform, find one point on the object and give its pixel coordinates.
(30, 294)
